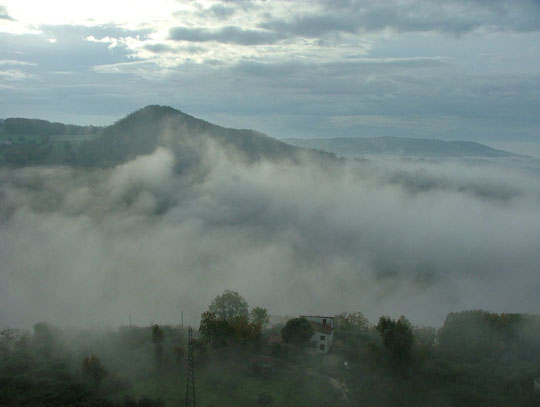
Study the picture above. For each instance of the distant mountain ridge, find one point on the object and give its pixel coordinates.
(398, 146)
(140, 132)
(39, 142)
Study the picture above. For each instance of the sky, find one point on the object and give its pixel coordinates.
(453, 69)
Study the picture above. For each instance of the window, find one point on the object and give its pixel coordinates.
(322, 347)
(323, 337)
(324, 321)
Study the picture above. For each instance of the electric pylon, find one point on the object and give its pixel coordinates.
(190, 387)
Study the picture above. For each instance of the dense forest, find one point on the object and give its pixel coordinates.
(25, 142)
(476, 358)
(40, 142)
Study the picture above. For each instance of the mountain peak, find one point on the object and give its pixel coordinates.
(141, 132)
(158, 109)
(152, 112)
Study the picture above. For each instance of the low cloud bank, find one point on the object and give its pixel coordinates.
(417, 238)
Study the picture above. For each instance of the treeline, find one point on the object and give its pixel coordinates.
(140, 133)
(38, 127)
(476, 358)
(67, 367)
(26, 142)
(467, 336)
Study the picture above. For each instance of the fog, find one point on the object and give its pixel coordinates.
(382, 236)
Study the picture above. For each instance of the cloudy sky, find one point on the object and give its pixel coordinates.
(456, 69)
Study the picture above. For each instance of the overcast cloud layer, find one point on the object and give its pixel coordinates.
(454, 69)
(402, 237)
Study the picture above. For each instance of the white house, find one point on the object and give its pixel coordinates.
(324, 332)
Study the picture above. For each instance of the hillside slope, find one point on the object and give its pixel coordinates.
(146, 129)
(139, 133)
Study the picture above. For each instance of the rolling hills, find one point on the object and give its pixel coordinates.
(39, 142)
(399, 146)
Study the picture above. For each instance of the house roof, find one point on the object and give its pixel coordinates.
(316, 316)
(326, 329)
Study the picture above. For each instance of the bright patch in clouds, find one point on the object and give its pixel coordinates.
(471, 67)
(128, 14)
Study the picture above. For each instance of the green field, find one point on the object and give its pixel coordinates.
(230, 383)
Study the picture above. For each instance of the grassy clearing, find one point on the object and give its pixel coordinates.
(228, 382)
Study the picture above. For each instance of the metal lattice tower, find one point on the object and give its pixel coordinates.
(190, 386)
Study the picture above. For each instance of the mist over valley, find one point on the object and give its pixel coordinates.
(322, 204)
(159, 212)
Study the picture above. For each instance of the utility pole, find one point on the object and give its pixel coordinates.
(190, 386)
(182, 313)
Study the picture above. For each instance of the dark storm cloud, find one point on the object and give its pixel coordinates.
(454, 17)
(226, 35)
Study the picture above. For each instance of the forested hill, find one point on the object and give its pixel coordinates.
(17, 126)
(38, 142)
(142, 131)
(399, 146)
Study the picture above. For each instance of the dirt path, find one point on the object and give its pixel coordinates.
(340, 387)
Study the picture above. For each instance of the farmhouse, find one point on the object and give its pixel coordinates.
(324, 332)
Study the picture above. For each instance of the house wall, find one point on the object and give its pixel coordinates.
(316, 338)
(317, 341)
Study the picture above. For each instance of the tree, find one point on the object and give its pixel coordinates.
(45, 339)
(215, 331)
(397, 337)
(474, 335)
(351, 326)
(157, 339)
(93, 369)
(354, 321)
(353, 330)
(245, 331)
(297, 331)
(8, 337)
(179, 353)
(229, 305)
(259, 315)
